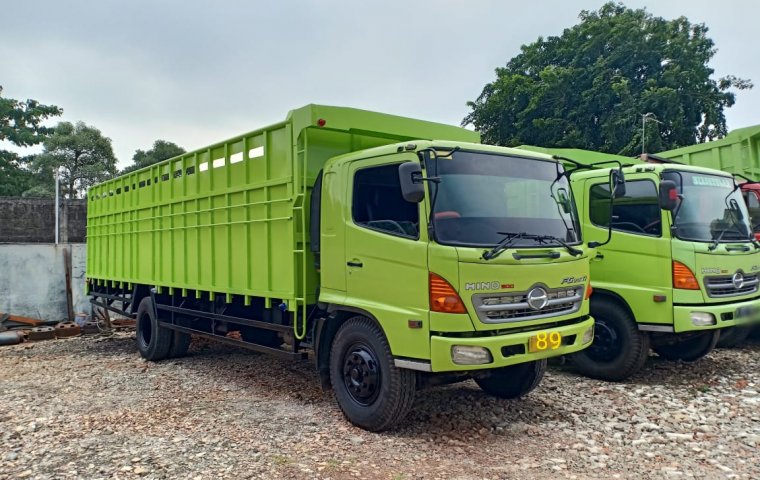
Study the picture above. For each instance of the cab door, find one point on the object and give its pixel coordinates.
(636, 263)
(386, 254)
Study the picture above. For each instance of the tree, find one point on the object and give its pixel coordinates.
(83, 155)
(161, 150)
(21, 125)
(589, 87)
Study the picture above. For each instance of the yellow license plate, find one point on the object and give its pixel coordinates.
(543, 341)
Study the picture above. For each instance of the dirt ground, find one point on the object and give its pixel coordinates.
(90, 407)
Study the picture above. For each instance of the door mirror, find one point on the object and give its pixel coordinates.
(617, 183)
(668, 195)
(563, 199)
(410, 177)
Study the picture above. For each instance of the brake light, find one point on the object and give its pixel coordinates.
(683, 278)
(589, 291)
(443, 297)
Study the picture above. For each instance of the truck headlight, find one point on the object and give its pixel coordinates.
(470, 355)
(702, 319)
(588, 336)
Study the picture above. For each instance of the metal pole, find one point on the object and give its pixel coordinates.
(57, 204)
(643, 132)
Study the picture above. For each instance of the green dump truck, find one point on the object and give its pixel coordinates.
(680, 263)
(737, 153)
(395, 253)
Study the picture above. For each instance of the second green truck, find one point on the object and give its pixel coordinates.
(681, 263)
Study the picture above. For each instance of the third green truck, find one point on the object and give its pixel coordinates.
(677, 263)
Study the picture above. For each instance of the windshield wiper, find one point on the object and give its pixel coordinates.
(571, 250)
(505, 243)
(510, 238)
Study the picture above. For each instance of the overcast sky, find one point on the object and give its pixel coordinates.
(197, 72)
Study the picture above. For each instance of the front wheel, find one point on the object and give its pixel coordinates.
(733, 336)
(371, 391)
(691, 348)
(619, 349)
(514, 381)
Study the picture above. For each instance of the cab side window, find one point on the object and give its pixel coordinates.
(378, 204)
(636, 212)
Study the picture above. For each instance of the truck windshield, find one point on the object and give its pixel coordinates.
(711, 210)
(482, 197)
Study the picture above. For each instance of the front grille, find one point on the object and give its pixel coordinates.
(723, 286)
(514, 307)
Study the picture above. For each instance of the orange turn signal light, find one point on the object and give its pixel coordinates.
(589, 291)
(443, 297)
(683, 278)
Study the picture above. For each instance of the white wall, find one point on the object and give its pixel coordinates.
(33, 282)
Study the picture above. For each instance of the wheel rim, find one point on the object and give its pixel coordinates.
(145, 329)
(361, 374)
(606, 344)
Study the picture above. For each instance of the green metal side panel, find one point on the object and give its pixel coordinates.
(232, 218)
(736, 153)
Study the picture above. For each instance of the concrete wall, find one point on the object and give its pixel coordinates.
(33, 282)
(32, 220)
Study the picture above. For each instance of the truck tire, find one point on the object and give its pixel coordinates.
(153, 341)
(733, 336)
(690, 349)
(180, 344)
(370, 390)
(514, 381)
(261, 336)
(619, 349)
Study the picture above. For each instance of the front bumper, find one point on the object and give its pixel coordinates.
(441, 347)
(726, 315)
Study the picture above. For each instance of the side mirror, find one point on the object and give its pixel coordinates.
(736, 210)
(410, 177)
(564, 201)
(617, 183)
(668, 195)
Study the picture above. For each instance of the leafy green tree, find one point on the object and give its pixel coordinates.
(21, 125)
(161, 150)
(589, 87)
(83, 155)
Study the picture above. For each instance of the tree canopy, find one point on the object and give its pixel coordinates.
(161, 150)
(21, 125)
(589, 87)
(83, 155)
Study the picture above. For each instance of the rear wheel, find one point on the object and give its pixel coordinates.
(619, 349)
(733, 336)
(691, 348)
(153, 341)
(371, 391)
(514, 381)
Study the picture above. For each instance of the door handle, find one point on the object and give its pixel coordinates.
(355, 264)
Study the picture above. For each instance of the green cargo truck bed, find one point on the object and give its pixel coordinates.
(232, 218)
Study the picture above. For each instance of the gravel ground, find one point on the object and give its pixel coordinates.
(92, 408)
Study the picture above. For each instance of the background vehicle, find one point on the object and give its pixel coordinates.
(397, 260)
(737, 153)
(679, 265)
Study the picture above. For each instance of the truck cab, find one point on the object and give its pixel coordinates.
(483, 274)
(680, 265)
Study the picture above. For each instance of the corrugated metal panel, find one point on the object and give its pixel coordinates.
(737, 153)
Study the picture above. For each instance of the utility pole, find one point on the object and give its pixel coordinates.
(644, 118)
(57, 204)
